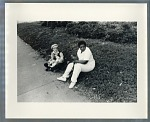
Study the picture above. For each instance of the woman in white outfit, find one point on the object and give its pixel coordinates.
(84, 63)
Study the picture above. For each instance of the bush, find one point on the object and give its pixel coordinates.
(54, 24)
(119, 32)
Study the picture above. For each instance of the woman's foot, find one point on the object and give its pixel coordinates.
(62, 78)
(72, 84)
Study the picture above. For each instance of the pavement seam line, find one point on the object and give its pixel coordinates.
(33, 89)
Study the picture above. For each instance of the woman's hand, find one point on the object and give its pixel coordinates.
(74, 57)
(80, 61)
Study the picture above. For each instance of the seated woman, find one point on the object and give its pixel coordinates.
(84, 63)
(56, 59)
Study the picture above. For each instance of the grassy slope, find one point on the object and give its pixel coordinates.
(114, 77)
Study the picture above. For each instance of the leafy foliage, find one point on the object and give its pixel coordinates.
(119, 32)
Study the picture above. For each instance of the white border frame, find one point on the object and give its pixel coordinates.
(74, 12)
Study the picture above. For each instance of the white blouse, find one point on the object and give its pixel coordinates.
(85, 55)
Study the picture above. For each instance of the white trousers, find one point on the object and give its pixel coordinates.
(77, 68)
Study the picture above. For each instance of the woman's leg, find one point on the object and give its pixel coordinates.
(81, 68)
(68, 70)
(77, 69)
(76, 72)
(56, 67)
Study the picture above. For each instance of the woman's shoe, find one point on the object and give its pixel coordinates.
(62, 78)
(72, 85)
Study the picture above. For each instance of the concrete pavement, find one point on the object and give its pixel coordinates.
(34, 84)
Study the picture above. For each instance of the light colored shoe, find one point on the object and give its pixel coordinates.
(72, 85)
(62, 78)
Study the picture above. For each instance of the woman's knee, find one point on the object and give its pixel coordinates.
(70, 64)
(77, 66)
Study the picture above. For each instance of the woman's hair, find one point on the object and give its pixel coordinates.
(81, 42)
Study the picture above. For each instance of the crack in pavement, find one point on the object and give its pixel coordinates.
(34, 88)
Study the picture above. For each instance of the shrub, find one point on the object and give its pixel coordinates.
(119, 32)
(53, 24)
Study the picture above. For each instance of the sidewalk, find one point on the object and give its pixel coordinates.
(34, 84)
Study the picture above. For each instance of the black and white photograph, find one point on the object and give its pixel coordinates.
(76, 60)
(81, 61)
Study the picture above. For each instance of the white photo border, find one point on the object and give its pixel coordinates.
(75, 12)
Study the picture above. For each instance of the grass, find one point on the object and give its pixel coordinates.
(114, 78)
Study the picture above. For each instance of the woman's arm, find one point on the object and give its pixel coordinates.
(81, 61)
(52, 55)
(74, 57)
(75, 60)
(51, 58)
(61, 59)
